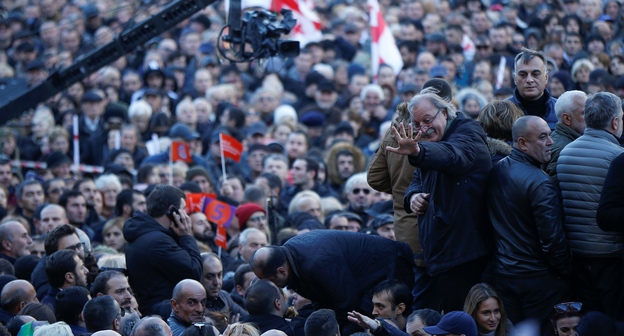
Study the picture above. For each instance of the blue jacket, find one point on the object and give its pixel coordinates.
(550, 116)
(453, 171)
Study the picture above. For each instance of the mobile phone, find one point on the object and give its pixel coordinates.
(173, 210)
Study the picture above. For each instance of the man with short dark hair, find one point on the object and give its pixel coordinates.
(531, 95)
(52, 216)
(532, 257)
(188, 304)
(70, 303)
(64, 268)
(266, 306)
(75, 205)
(14, 241)
(305, 174)
(102, 313)
(242, 280)
(322, 322)
(15, 295)
(114, 284)
(129, 201)
(160, 252)
(392, 300)
(29, 196)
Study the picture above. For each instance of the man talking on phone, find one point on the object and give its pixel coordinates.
(161, 250)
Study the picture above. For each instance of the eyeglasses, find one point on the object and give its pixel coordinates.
(564, 307)
(418, 126)
(257, 218)
(358, 190)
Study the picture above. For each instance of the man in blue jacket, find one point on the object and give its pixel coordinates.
(160, 253)
(447, 193)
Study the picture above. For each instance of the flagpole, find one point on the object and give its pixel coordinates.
(171, 164)
(219, 253)
(222, 157)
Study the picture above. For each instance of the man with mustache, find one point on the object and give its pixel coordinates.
(531, 78)
(188, 305)
(115, 284)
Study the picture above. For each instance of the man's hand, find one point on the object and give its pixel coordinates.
(182, 225)
(362, 321)
(408, 143)
(419, 203)
(226, 189)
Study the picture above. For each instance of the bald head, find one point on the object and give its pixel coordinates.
(151, 326)
(16, 294)
(52, 216)
(522, 127)
(186, 286)
(106, 333)
(270, 262)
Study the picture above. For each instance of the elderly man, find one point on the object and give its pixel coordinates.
(359, 195)
(356, 263)
(187, 305)
(581, 171)
(14, 240)
(570, 111)
(15, 295)
(532, 255)
(531, 78)
(447, 193)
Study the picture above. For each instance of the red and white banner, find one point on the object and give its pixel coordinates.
(308, 27)
(230, 147)
(180, 152)
(42, 165)
(383, 46)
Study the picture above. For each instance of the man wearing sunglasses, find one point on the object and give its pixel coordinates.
(359, 195)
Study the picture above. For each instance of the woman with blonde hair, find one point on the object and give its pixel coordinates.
(497, 119)
(241, 329)
(112, 233)
(486, 308)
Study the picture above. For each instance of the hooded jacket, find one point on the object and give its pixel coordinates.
(333, 176)
(157, 259)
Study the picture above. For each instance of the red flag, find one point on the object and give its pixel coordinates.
(230, 147)
(195, 201)
(180, 152)
(222, 214)
(221, 238)
(383, 47)
(308, 27)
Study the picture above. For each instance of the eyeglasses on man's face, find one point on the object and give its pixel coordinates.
(426, 122)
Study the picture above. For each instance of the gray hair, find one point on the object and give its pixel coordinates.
(353, 180)
(578, 64)
(54, 329)
(242, 238)
(565, 102)
(139, 108)
(106, 180)
(438, 102)
(601, 108)
(151, 326)
(373, 88)
(526, 55)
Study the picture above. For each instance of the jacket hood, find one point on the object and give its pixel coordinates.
(140, 224)
(331, 160)
(498, 147)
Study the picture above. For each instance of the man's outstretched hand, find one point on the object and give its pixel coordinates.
(362, 321)
(408, 143)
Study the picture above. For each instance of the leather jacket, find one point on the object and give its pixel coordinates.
(526, 214)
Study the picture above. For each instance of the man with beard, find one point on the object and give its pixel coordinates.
(325, 98)
(304, 174)
(187, 305)
(212, 280)
(129, 201)
(115, 284)
(202, 229)
(64, 269)
(359, 195)
(87, 187)
(343, 160)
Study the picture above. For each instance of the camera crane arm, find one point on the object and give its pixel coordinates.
(89, 63)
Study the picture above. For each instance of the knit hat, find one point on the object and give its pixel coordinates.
(245, 211)
(197, 171)
(564, 78)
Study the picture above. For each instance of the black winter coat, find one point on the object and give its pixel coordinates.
(525, 210)
(453, 171)
(338, 270)
(157, 259)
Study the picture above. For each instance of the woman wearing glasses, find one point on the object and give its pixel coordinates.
(565, 317)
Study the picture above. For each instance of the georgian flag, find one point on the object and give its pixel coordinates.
(383, 46)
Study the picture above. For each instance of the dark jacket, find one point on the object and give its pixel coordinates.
(266, 322)
(525, 210)
(50, 298)
(225, 304)
(39, 279)
(338, 270)
(610, 214)
(453, 171)
(550, 116)
(157, 259)
(561, 137)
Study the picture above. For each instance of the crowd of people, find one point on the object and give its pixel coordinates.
(475, 192)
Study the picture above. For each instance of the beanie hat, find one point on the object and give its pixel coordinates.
(245, 211)
(564, 78)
